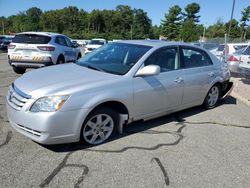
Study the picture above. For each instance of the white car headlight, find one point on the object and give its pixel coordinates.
(49, 104)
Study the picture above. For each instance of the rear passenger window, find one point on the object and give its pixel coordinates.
(166, 58)
(61, 41)
(194, 58)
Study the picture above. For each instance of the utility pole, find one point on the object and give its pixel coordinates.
(230, 24)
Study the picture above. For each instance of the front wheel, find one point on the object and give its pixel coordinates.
(99, 126)
(213, 97)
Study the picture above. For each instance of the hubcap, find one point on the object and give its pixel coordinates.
(213, 96)
(98, 129)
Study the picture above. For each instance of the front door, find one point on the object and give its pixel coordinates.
(163, 92)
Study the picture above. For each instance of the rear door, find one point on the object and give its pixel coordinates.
(198, 74)
(71, 50)
(160, 93)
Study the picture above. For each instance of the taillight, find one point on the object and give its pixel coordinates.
(11, 46)
(233, 58)
(46, 48)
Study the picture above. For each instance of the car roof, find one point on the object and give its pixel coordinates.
(50, 34)
(155, 43)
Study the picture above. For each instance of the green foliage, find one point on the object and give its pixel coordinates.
(123, 23)
(171, 25)
(189, 31)
(235, 29)
(216, 30)
(245, 17)
(191, 11)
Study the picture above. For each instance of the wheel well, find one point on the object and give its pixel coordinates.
(115, 105)
(60, 56)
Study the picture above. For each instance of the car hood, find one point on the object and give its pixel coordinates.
(61, 79)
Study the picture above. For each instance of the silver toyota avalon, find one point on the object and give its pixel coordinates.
(114, 85)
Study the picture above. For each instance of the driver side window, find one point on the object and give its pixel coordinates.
(166, 58)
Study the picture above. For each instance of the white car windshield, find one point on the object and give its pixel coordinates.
(115, 58)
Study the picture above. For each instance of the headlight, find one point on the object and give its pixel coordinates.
(49, 104)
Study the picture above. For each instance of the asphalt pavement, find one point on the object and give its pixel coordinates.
(192, 148)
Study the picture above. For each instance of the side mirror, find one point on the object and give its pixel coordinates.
(150, 70)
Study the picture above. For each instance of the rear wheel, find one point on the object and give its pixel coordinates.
(99, 126)
(60, 60)
(213, 97)
(19, 70)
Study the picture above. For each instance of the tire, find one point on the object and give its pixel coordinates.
(60, 60)
(94, 132)
(213, 97)
(79, 56)
(19, 70)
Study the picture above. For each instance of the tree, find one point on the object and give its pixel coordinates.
(141, 24)
(170, 26)
(235, 29)
(216, 30)
(191, 11)
(190, 31)
(33, 16)
(245, 17)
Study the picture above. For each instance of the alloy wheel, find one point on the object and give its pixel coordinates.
(98, 129)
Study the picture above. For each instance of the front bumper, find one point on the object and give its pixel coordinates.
(47, 127)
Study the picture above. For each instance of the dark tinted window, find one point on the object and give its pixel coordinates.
(166, 58)
(61, 40)
(194, 58)
(97, 42)
(246, 51)
(237, 47)
(221, 47)
(69, 43)
(31, 39)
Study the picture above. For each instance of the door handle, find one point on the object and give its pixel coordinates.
(178, 80)
(211, 74)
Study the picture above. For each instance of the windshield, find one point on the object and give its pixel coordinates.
(97, 42)
(221, 47)
(115, 58)
(238, 52)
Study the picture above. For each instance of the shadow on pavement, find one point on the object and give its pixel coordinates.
(141, 126)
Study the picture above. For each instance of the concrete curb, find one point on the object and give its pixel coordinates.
(240, 98)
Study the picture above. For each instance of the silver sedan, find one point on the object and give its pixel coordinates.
(114, 85)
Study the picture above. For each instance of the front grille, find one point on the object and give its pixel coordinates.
(17, 98)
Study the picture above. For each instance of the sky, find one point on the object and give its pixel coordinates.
(211, 10)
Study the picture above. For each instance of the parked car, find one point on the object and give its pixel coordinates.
(39, 49)
(244, 65)
(94, 44)
(4, 42)
(230, 49)
(118, 83)
(206, 45)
